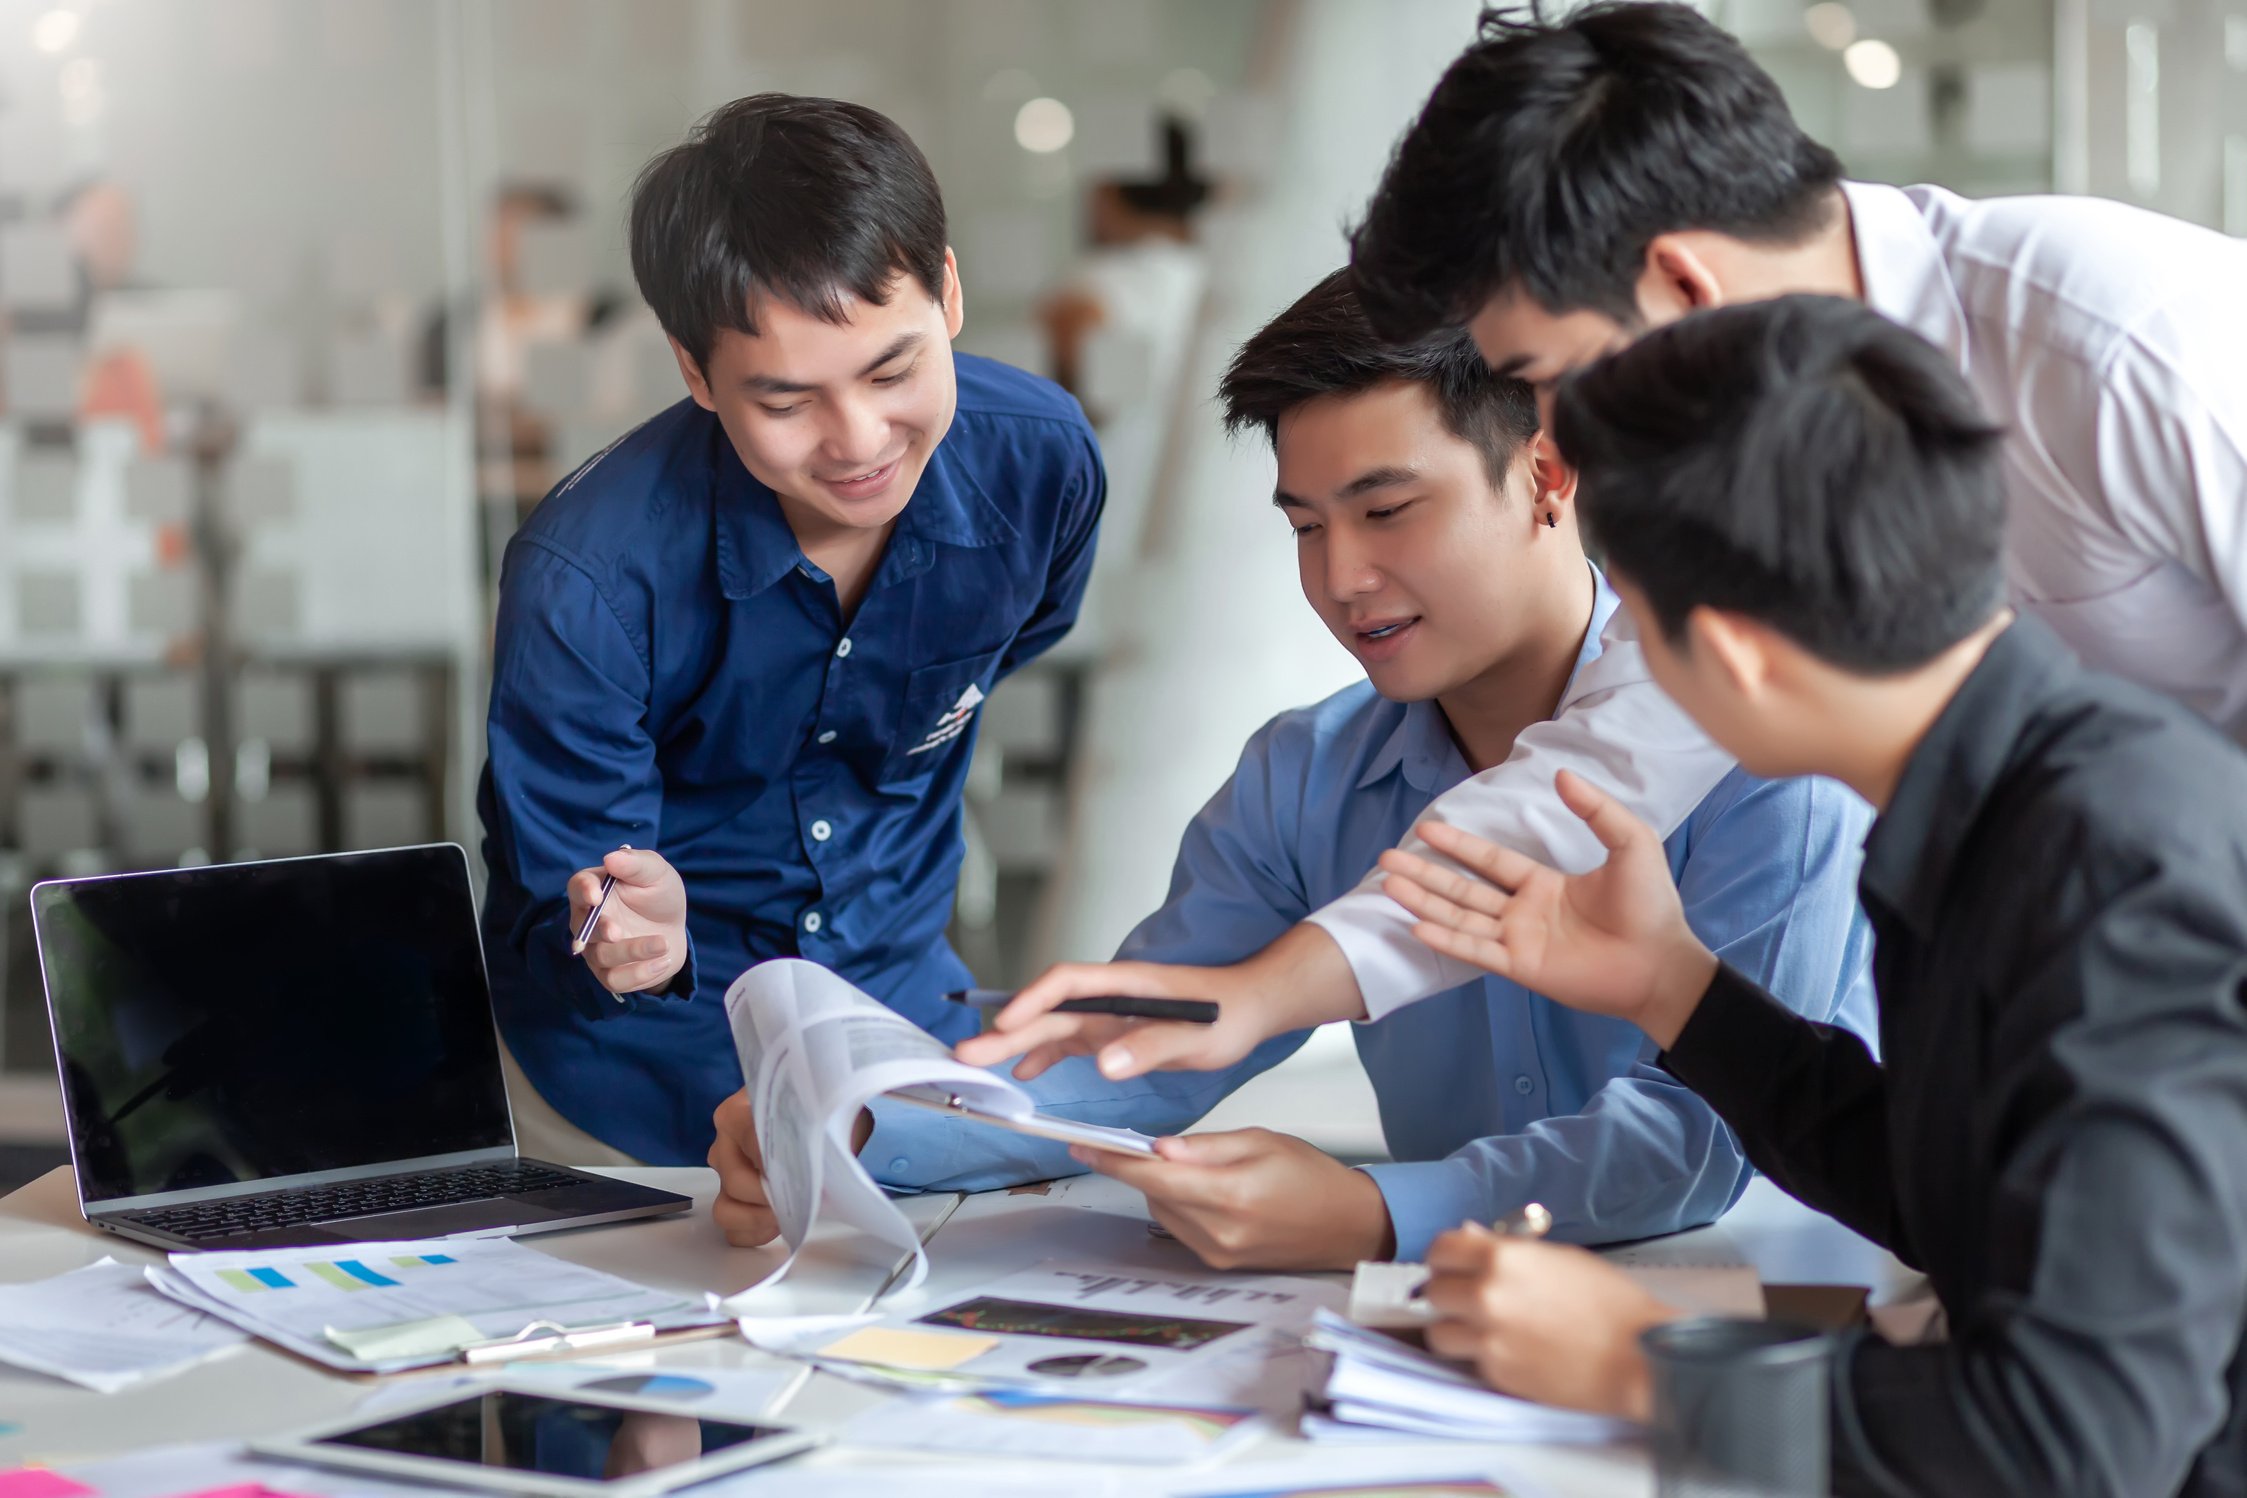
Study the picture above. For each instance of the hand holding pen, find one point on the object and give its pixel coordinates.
(628, 919)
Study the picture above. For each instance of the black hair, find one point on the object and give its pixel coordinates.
(1804, 462)
(1180, 190)
(1552, 154)
(1323, 345)
(779, 195)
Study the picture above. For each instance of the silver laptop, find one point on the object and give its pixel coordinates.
(293, 1052)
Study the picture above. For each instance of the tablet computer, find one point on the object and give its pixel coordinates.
(511, 1440)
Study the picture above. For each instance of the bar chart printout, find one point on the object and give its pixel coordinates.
(453, 1292)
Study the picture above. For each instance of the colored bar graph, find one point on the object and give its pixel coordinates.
(417, 1261)
(360, 1271)
(272, 1279)
(336, 1277)
(439, 1259)
(241, 1280)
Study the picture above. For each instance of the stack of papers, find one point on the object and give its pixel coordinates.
(1380, 1388)
(103, 1328)
(382, 1307)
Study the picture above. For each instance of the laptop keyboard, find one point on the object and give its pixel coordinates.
(239, 1215)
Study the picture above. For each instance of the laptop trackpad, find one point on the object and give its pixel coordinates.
(446, 1221)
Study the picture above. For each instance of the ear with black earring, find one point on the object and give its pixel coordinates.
(1552, 519)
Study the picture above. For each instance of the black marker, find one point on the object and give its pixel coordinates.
(1191, 1011)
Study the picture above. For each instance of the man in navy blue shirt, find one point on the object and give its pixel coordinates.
(755, 630)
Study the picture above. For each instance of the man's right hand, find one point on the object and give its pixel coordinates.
(1298, 981)
(743, 1209)
(641, 941)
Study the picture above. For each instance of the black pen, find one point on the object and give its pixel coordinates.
(585, 932)
(1191, 1011)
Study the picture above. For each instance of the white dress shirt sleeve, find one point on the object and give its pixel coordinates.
(2172, 455)
(1616, 729)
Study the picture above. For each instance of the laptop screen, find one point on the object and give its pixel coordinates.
(257, 1020)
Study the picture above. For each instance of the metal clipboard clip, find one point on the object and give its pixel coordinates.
(552, 1336)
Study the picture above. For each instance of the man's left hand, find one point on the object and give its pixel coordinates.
(1253, 1199)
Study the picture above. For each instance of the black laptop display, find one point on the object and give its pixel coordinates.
(310, 1022)
(261, 1020)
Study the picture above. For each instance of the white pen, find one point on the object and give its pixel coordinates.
(585, 932)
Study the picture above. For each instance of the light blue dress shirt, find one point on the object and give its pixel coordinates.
(1490, 1095)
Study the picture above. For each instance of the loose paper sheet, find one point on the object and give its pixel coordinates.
(103, 1328)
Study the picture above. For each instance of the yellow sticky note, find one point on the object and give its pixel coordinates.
(902, 1347)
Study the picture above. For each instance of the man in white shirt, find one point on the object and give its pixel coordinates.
(2102, 337)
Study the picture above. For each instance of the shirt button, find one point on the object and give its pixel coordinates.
(897, 1166)
(828, 737)
(842, 647)
(814, 921)
(821, 831)
(803, 572)
(1522, 1085)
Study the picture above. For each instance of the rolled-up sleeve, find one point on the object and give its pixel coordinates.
(1618, 730)
(572, 762)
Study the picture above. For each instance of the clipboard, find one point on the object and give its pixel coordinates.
(1043, 1126)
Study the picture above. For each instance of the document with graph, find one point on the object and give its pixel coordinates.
(814, 1051)
(381, 1307)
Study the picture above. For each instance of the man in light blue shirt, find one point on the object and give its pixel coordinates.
(1437, 541)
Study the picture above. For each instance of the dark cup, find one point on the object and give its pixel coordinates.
(1739, 1408)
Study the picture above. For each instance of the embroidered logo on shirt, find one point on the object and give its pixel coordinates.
(953, 723)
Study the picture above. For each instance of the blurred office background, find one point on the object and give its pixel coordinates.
(304, 303)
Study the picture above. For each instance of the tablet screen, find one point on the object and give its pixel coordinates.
(509, 1432)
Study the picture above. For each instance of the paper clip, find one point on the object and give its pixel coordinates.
(552, 1336)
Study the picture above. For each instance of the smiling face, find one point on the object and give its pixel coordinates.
(837, 419)
(1416, 561)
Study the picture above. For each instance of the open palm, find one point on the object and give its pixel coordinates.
(1611, 941)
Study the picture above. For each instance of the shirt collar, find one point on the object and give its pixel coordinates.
(1905, 276)
(1421, 743)
(1955, 769)
(757, 548)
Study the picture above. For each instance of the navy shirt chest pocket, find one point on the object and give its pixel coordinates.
(938, 714)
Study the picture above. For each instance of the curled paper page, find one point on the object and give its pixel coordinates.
(814, 1051)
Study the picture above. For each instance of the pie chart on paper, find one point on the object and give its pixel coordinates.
(651, 1386)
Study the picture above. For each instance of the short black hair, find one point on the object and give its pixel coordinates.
(1323, 345)
(780, 195)
(1552, 154)
(1804, 462)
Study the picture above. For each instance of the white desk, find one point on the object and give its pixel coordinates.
(258, 1391)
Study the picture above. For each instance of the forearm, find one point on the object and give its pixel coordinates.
(1617, 730)
(1806, 1101)
(1645, 1157)
(1302, 981)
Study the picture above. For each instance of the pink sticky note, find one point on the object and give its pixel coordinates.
(38, 1482)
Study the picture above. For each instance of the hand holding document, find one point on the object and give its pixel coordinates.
(815, 1050)
(104, 1328)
